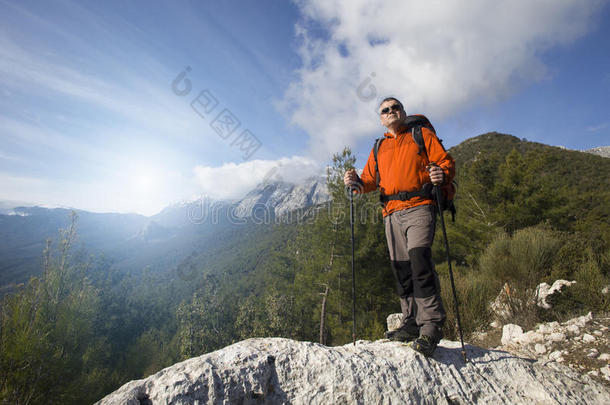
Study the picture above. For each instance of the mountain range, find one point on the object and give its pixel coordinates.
(134, 242)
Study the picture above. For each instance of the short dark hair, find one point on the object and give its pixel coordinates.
(390, 99)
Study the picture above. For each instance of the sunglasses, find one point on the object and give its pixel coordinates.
(394, 107)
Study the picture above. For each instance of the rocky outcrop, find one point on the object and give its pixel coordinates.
(581, 343)
(277, 371)
(280, 198)
(603, 151)
(546, 291)
(509, 300)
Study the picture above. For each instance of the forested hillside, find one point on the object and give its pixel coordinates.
(527, 213)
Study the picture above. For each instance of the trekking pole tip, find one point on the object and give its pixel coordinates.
(464, 356)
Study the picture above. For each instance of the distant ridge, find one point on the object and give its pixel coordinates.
(603, 151)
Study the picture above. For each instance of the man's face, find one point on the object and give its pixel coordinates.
(391, 113)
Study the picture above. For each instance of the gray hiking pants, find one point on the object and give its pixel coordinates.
(410, 234)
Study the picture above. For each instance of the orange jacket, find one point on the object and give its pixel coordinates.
(401, 168)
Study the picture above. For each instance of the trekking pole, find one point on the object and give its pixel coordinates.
(437, 192)
(351, 220)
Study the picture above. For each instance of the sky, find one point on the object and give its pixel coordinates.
(130, 106)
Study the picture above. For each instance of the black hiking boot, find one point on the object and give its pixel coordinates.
(402, 334)
(425, 345)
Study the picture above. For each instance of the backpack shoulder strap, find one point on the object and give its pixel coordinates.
(416, 122)
(418, 138)
(375, 152)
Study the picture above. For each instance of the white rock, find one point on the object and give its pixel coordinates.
(593, 353)
(277, 370)
(511, 332)
(547, 328)
(588, 338)
(581, 321)
(605, 371)
(545, 291)
(606, 289)
(578, 338)
(557, 337)
(529, 338)
(495, 324)
(501, 305)
(555, 355)
(394, 321)
(540, 349)
(598, 333)
(573, 329)
(594, 373)
(536, 337)
(604, 356)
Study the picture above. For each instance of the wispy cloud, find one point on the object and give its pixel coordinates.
(145, 102)
(94, 126)
(438, 56)
(595, 128)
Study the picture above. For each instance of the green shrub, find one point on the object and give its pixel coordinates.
(523, 259)
(584, 296)
(474, 291)
(522, 262)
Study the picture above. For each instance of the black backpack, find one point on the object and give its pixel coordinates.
(415, 123)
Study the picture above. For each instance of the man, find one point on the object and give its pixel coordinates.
(409, 217)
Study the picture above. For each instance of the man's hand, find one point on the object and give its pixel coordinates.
(351, 178)
(436, 175)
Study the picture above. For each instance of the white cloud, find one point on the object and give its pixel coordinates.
(232, 181)
(439, 57)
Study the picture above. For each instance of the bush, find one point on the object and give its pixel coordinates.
(474, 291)
(523, 259)
(521, 262)
(584, 296)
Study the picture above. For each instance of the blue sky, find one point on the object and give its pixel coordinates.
(90, 118)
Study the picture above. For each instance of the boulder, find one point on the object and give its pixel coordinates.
(545, 291)
(510, 333)
(502, 306)
(581, 321)
(540, 349)
(557, 337)
(278, 371)
(394, 321)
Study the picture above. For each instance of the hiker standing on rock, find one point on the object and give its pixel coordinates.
(404, 165)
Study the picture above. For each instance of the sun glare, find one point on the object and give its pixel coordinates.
(144, 182)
